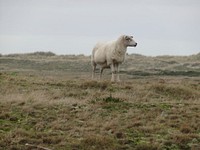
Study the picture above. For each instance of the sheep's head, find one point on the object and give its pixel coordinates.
(128, 41)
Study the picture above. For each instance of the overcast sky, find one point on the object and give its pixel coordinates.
(160, 27)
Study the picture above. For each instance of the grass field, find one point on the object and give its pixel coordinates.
(50, 102)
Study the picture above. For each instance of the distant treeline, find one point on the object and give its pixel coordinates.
(43, 53)
(32, 54)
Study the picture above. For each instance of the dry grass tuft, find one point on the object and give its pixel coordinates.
(95, 142)
(185, 128)
(176, 91)
(146, 146)
(95, 84)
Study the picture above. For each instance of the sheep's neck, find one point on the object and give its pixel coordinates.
(121, 49)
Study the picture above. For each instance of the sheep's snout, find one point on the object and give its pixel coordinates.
(132, 44)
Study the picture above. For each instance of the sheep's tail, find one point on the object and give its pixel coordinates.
(93, 62)
(92, 57)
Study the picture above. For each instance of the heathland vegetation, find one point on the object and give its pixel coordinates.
(50, 102)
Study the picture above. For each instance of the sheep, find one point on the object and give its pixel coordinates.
(111, 55)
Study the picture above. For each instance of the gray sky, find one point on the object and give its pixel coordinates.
(160, 27)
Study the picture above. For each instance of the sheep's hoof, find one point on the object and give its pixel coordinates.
(112, 81)
(118, 81)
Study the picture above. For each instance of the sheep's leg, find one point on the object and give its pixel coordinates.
(93, 70)
(117, 68)
(101, 71)
(113, 72)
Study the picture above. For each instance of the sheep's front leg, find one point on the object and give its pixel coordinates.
(114, 68)
(117, 68)
(113, 72)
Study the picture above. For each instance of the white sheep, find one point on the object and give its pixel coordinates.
(110, 55)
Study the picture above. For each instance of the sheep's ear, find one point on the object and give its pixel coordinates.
(126, 37)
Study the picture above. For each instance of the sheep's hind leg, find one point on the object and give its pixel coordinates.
(93, 70)
(101, 72)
